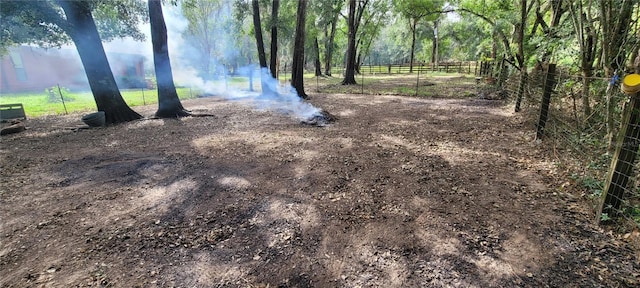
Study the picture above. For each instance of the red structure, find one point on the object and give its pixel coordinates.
(33, 69)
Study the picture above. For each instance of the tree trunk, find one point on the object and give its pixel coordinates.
(520, 34)
(349, 73)
(414, 23)
(297, 67)
(94, 60)
(494, 48)
(329, 47)
(433, 50)
(586, 37)
(316, 47)
(615, 27)
(274, 38)
(436, 44)
(265, 74)
(558, 9)
(262, 58)
(169, 105)
(206, 64)
(586, 82)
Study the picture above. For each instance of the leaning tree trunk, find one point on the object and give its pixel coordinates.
(169, 105)
(297, 67)
(274, 39)
(94, 60)
(350, 69)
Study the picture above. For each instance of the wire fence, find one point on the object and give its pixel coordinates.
(590, 128)
(465, 67)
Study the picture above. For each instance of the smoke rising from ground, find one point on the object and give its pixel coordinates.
(185, 57)
(274, 97)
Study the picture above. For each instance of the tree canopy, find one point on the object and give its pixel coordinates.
(43, 23)
(593, 37)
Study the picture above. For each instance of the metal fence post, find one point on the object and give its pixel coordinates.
(549, 82)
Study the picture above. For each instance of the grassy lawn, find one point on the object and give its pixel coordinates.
(39, 104)
(429, 85)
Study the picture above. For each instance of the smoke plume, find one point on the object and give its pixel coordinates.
(273, 96)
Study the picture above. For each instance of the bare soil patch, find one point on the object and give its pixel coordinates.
(399, 192)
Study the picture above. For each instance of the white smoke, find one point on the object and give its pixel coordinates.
(182, 56)
(284, 100)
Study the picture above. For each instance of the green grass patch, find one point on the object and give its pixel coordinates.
(39, 104)
(429, 85)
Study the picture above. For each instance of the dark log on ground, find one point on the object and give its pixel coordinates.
(16, 127)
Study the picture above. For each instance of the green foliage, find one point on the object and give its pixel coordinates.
(25, 22)
(57, 95)
(419, 10)
(595, 186)
(633, 212)
(120, 18)
(43, 23)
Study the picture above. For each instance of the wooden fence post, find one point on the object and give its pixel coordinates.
(549, 82)
(621, 169)
(523, 81)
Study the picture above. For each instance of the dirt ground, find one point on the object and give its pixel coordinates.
(399, 192)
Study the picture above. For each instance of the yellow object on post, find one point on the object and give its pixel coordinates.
(630, 84)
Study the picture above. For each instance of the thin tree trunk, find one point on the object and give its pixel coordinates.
(274, 38)
(169, 105)
(265, 74)
(316, 47)
(586, 82)
(94, 60)
(349, 74)
(615, 26)
(520, 34)
(297, 67)
(433, 50)
(585, 34)
(329, 47)
(413, 43)
(206, 64)
(358, 61)
(436, 45)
